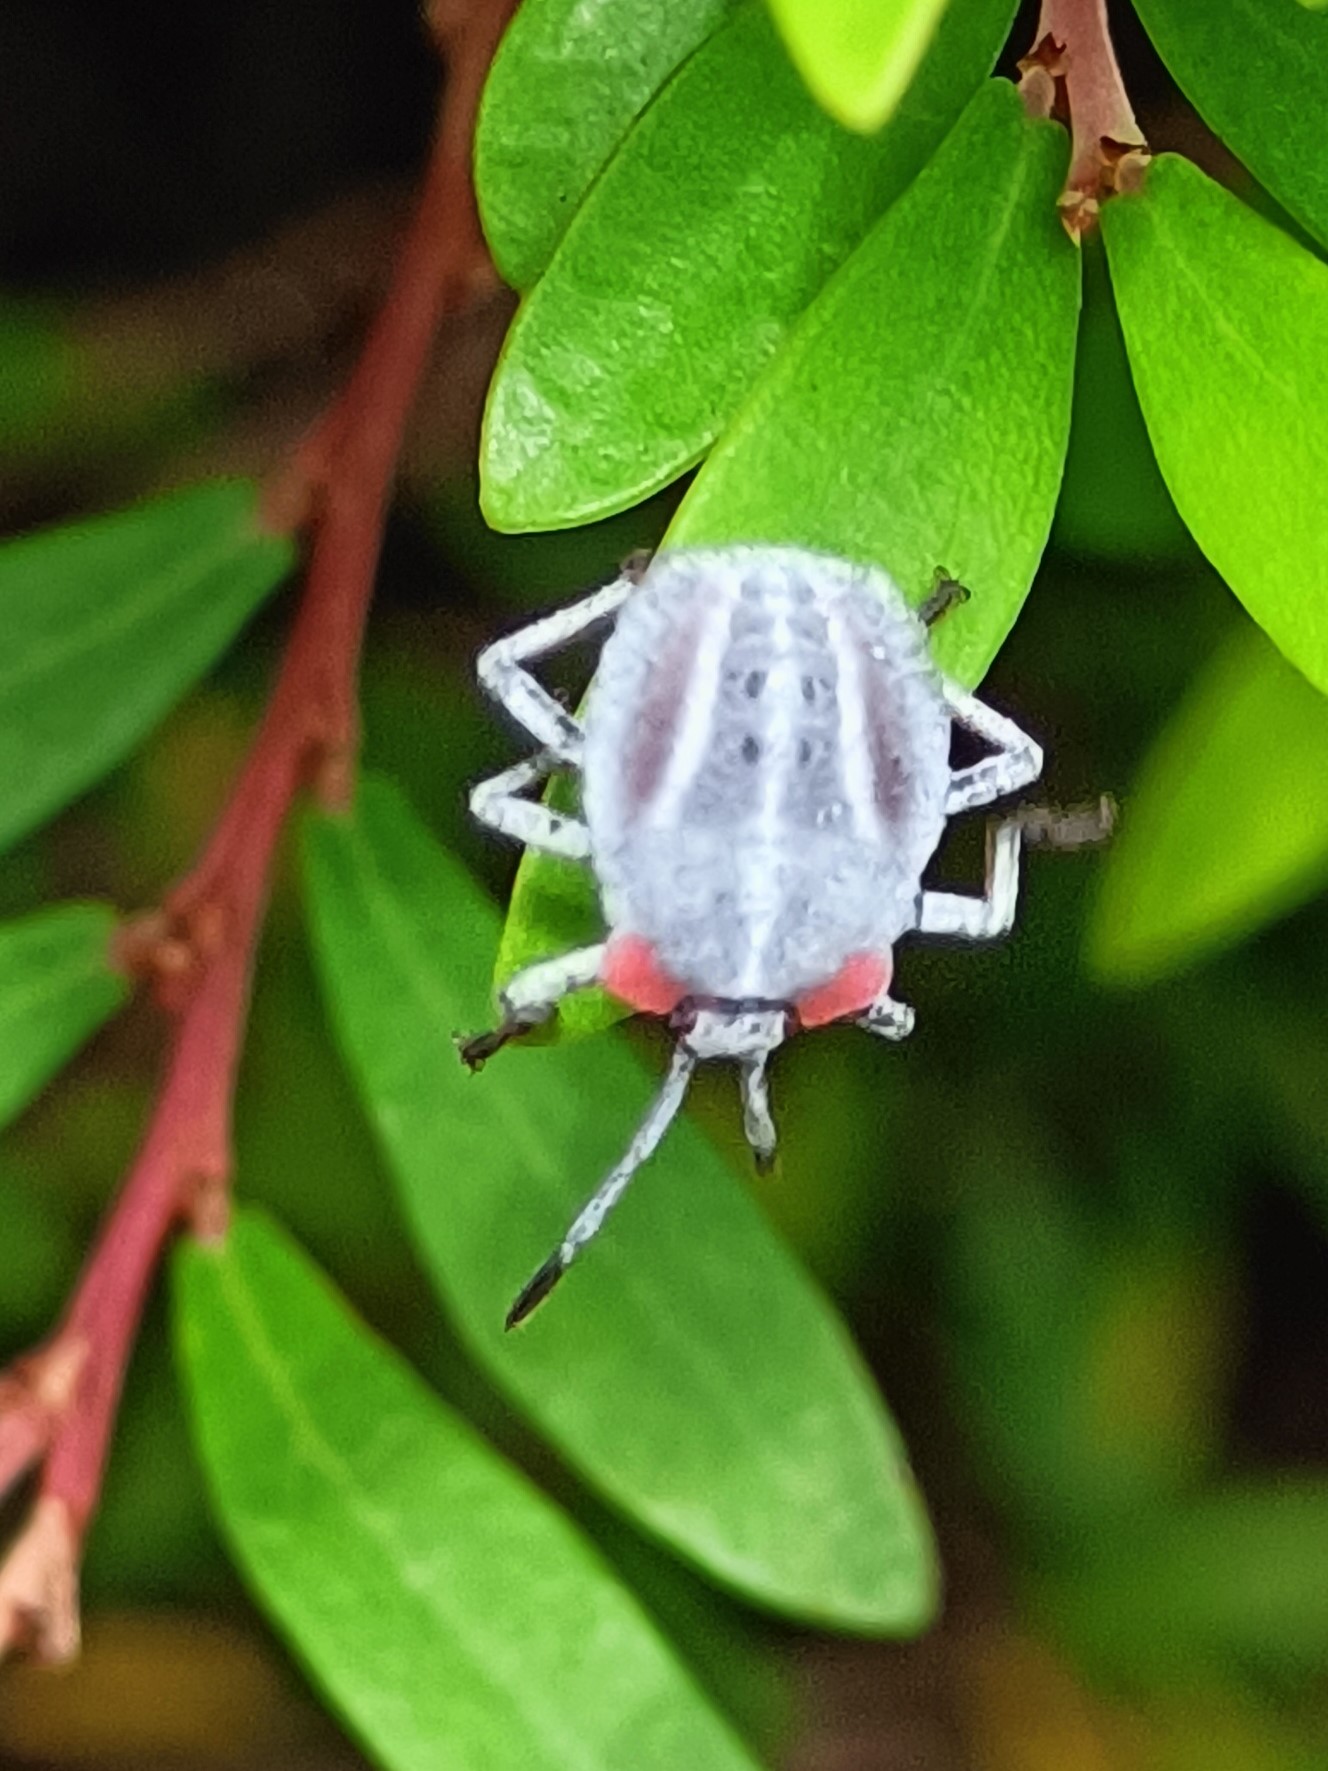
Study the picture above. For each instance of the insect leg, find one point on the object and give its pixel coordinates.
(1017, 762)
(757, 1124)
(590, 1219)
(992, 915)
(531, 997)
(501, 667)
(1069, 827)
(886, 1018)
(498, 802)
(946, 593)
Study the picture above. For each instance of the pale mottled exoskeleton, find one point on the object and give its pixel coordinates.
(765, 773)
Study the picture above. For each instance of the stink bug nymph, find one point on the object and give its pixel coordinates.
(765, 773)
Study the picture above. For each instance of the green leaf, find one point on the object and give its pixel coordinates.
(857, 56)
(1227, 826)
(687, 1367)
(719, 219)
(450, 1612)
(1257, 73)
(565, 85)
(1226, 325)
(106, 623)
(935, 440)
(56, 988)
(919, 416)
(1234, 1582)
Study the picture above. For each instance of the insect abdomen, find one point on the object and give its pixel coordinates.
(766, 756)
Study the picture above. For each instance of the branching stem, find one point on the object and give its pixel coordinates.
(57, 1405)
(1072, 69)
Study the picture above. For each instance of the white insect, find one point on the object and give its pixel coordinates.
(765, 772)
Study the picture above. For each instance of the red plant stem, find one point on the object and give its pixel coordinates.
(310, 721)
(58, 1405)
(1073, 61)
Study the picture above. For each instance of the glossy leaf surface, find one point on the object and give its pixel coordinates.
(920, 415)
(726, 209)
(1227, 826)
(1226, 325)
(443, 1604)
(56, 987)
(565, 85)
(106, 623)
(686, 1366)
(1257, 73)
(857, 56)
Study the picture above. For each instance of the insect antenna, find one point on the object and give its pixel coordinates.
(758, 1127)
(589, 1220)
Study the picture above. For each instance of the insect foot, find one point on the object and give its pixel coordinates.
(536, 1289)
(757, 1124)
(946, 593)
(1069, 827)
(476, 1050)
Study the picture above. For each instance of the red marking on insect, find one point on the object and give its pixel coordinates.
(858, 982)
(635, 976)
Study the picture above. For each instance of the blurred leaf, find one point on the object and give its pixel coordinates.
(938, 438)
(858, 56)
(155, 1542)
(723, 213)
(38, 371)
(68, 393)
(38, 1251)
(300, 1136)
(1211, 1728)
(1276, 1079)
(451, 1614)
(1228, 824)
(1257, 73)
(687, 1368)
(568, 78)
(56, 987)
(1226, 324)
(1232, 1583)
(1090, 1356)
(107, 622)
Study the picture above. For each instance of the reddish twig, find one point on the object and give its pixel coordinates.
(57, 1405)
(1072, 71)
